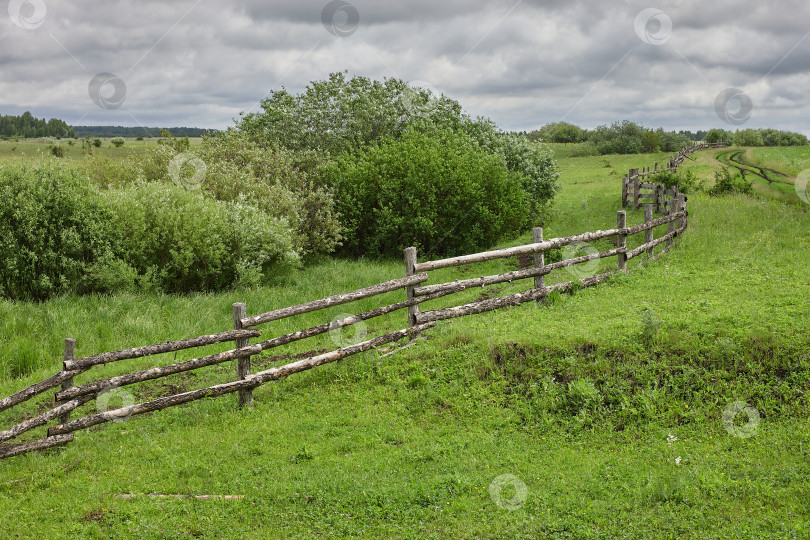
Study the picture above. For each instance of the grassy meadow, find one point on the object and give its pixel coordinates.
(592, 415)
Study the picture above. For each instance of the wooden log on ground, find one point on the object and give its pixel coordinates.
(40, 387)
(149, 350)
(130, 496)
(252, 381)
(514, 251)
(243, 362)
(43, 419)
(335, 300)
(504, 301)
(48, 442)
(512, 276)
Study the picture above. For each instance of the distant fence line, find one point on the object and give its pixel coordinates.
(633, 186)
(71, 396)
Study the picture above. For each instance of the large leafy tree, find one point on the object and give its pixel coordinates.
(346, 116)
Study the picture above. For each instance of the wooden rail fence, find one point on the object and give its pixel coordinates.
(638, 187)
(72, 396)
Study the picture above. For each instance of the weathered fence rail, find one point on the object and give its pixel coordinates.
(636, 192)
(71, 396)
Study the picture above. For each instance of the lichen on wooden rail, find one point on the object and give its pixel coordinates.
(42, 419)
(504, 301)
(158, 372)
(252, 381)
(514, 251)
(650, 245)
(335, 300)
(47, 442)
(149, 350)
(250, 350)
(514, 275)
(40, 387)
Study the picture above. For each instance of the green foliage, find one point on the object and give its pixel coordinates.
(719, 135)
(344, 117)
(727, 182)
(182, 241)
(437, 192)
(651, 141)
(97, 143)
(623, 137)
(772, 137)
(650, 326)
(57, 150)
(748, 137)
(560, 132)
(584, 149)
(54, 229)
(685, 180)
(117, 142)
(285, 184)
(27, 126)
(671, 141)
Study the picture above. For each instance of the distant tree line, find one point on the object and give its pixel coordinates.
(27, 125)
(121, 131)
(757, 137)
(628, 137)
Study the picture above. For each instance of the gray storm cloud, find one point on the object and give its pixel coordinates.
(522, 63)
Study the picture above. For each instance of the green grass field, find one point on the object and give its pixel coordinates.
(573, 399)
(38, 148)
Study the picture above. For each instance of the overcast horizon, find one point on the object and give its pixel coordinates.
(522, 63)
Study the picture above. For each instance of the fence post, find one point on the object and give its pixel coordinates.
(648, 234)
(70, 351)
(679, 205)
(671, 224)
(636, 189)
(242, 363)
(621, 239)
(657, 198)
(625, 183)
(410, 265)
(539, 260)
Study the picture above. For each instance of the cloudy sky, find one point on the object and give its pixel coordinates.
(524, 63)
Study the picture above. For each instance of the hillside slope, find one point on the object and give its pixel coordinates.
(543, 420)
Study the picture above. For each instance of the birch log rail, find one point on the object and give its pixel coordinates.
(250, 382)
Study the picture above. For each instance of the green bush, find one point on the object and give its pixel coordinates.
(438, 192)
(685, 181)
(725, 182)
(286, 184)
(117, 142)
(54, 230)
(97, 143)
(57, 150)
(346, 116)
(182, 241)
